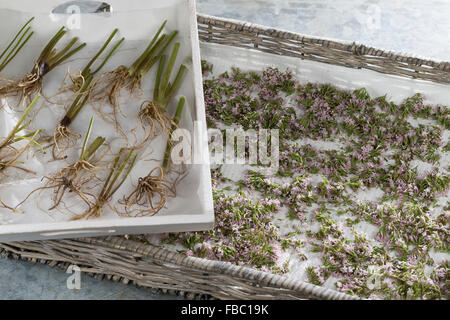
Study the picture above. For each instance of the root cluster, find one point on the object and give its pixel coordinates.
(122, 166)
(63, 139)
(5, 206)
(154, 118)
(93, 211)
(28, 87)
(106, 89)
(10, 158)
(108, 86)
(77, 80)
(150, 196)
(73, 179)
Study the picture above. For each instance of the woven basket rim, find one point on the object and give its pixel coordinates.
(216, 266)
(355, 47)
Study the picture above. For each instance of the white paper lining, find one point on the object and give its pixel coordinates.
(397, 89)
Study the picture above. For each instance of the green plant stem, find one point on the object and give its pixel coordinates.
(10, 138)
(15, 38)
(164, 90)
(109, 55)
(171, 90)
(87, 69)
(18, 46)
(116, 176)
(130, 161)
(30, 137)
(159, 73)
(78, 103)
(86, 139)
(87, 151)
(92, 148)
(67, 56)
(56, 56)
(168, 71)
(51, 58)
(179, 111)
(46, 52)
(17, 156)
(176, 120)
(148, 63)
(110, 187)
(143, 57)
(153, 57)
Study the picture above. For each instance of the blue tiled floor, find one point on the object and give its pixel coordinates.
(24, 280)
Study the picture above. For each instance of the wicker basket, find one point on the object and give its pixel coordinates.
(127, 261)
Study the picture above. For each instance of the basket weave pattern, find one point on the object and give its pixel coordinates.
(127, 261)
(351, 55)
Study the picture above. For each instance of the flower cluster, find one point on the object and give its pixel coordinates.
(367, 270)
(375, 144)
(407, 224)
(251, 100)
(297, 194)
(207, 68)
(244, 233)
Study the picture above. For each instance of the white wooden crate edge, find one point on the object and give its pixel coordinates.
(156, 224)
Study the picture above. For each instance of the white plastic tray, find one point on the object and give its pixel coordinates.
(137, 20)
